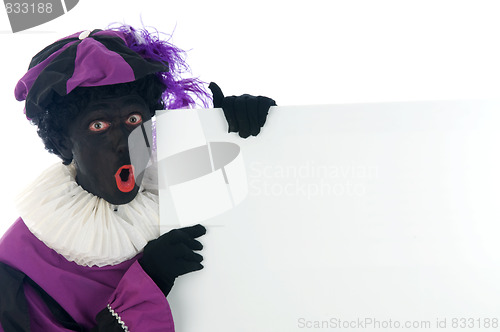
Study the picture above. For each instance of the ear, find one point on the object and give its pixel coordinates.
(63, 145)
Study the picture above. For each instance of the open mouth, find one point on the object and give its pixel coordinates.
(124, 177)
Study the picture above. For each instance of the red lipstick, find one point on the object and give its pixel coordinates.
(125, 180)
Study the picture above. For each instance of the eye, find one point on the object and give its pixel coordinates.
(99, 126)
(134, 119)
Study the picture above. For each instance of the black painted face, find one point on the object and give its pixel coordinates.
(98, 141)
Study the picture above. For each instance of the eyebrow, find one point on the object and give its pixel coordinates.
(104, 104)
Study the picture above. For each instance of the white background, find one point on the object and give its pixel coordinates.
(297, 52)
(405, 227)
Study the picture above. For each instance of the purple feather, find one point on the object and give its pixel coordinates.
(180, 92)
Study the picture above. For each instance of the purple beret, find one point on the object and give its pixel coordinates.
(84, 59)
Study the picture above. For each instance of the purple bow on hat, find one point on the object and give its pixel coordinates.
(83, 59)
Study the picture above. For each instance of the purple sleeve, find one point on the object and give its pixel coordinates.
(139, 303)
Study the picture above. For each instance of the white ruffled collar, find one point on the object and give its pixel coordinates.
(85, 228)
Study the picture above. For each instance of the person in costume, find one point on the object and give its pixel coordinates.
(86, 253)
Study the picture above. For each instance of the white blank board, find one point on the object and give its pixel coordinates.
(388, 212)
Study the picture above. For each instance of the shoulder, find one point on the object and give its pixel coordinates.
(22, 250)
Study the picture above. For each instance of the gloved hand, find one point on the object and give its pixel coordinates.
(245, 114)
(171, 255)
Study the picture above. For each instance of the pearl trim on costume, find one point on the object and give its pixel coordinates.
(118, 318)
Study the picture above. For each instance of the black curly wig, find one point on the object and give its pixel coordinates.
(53, 123)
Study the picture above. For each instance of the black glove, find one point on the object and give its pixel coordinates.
(171, 255)
(245, 114)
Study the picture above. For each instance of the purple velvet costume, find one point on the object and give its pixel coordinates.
(89, 59)
(83, 291)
